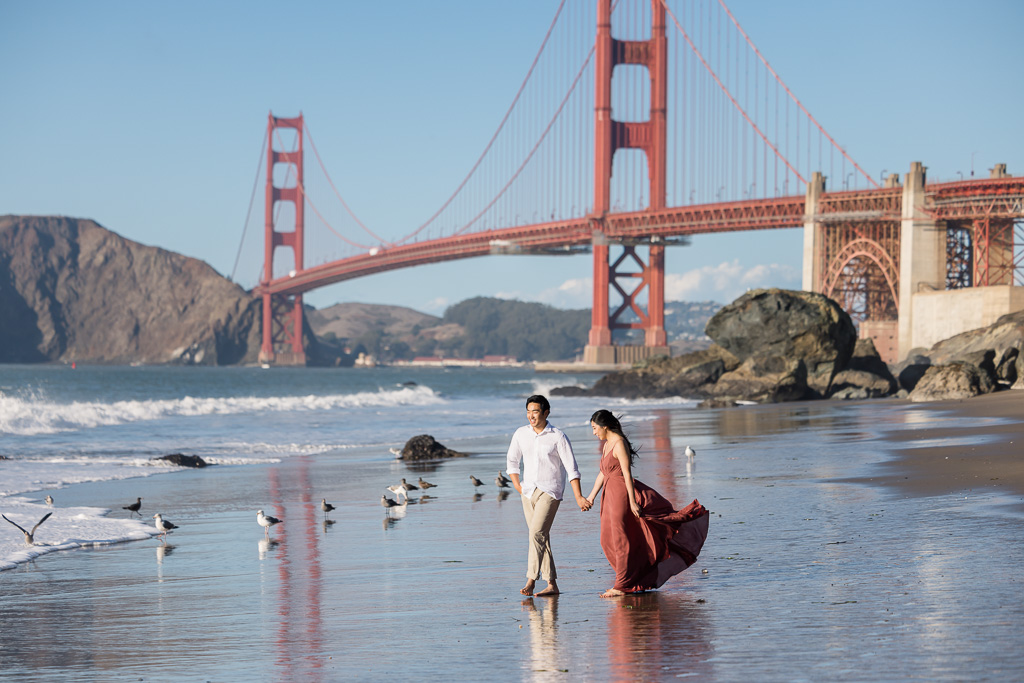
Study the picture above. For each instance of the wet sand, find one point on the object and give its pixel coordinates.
(830, 557)
(925, 466)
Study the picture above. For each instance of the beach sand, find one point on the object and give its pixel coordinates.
(993, 464)
(844, 545)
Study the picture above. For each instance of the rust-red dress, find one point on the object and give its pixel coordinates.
(646, 552)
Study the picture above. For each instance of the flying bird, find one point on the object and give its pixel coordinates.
(325, 506)
(162, 525)
(426, 484)
(134, 507)
(29, 535)
(689, 452)
(49, 500)
(266, 521)
(476, 482)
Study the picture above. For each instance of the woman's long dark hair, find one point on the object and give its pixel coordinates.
(604, 418)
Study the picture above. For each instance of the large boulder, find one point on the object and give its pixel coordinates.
(763, 379)
(1005, 333)
(425, 447)
(866, 376)
(688, 375)
(910, 371)
(956, 380)
(806, 326)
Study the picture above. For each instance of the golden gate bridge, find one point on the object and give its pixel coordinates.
(665, 122)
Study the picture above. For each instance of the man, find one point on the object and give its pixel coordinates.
(545, 455)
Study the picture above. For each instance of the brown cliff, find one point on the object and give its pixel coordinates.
(71, 290)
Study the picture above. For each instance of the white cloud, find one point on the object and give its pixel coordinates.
(573, 293)
(436, 306)
(727, 281)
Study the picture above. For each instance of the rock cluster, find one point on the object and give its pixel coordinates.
(424, 447)
(182, 460)
(778, 345)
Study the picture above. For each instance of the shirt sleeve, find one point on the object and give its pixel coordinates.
(568, 459)
(514, 457)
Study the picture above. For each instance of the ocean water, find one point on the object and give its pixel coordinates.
(805, 576)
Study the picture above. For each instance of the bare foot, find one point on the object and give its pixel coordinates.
(528, 588)
(552, 589)
(612, 593)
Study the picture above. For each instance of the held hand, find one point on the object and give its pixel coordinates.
(584, 503)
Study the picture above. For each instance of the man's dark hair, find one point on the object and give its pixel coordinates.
(545, 407)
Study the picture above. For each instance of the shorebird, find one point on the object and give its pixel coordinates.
(689, 452)
(266, 521)
(49, 500)
(426, 484)
(29, 535)
(410, 487)
(325, 506)
(395, 452)
(505, 480)
(399, 490)
(134, 507)
(162, 525)
(476, 482)
(501, 482)
(387, 503)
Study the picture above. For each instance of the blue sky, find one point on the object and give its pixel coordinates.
(148, 118)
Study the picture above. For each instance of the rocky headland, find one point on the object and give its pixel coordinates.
(774, 345)
(71, 290)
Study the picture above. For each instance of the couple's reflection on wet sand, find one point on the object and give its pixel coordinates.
(546, 656)
(658, 631)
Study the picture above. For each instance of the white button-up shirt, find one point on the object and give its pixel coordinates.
(545, 458)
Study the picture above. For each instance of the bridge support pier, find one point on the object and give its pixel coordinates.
(922, 254)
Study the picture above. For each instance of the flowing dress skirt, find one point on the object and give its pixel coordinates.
(646, 552)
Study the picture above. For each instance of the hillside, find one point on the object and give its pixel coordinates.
(71, 290)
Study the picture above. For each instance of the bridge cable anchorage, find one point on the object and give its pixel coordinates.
(338, 194)
(732, 99)
(248, 213)
(790, 92)
(501, 126)
(305, 197)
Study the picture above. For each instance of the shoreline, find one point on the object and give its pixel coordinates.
(995, 465)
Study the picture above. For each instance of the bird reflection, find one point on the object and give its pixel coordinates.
(388, 522)
(477, 497)
(328, 523)
(502, 495)
(426, 498)
(163, 551)
(266, 545)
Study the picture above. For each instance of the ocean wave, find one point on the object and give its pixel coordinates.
(34, 414)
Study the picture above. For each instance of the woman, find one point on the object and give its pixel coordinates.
(645, 540)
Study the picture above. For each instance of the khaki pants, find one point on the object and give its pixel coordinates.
(540, 509)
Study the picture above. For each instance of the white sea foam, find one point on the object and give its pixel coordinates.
(34, 414)
(67, 528)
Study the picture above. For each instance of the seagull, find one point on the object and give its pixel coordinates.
(134, 507)
(49, 500)
(266, 521)
(476, 482)
(163, 526)
(387, 503)
(426, 484)
(325, 506)
(395, 452)
(500, 481)
(505, 480)
(689, 452)
(399, 490)
(29, 535)
(410, 487)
